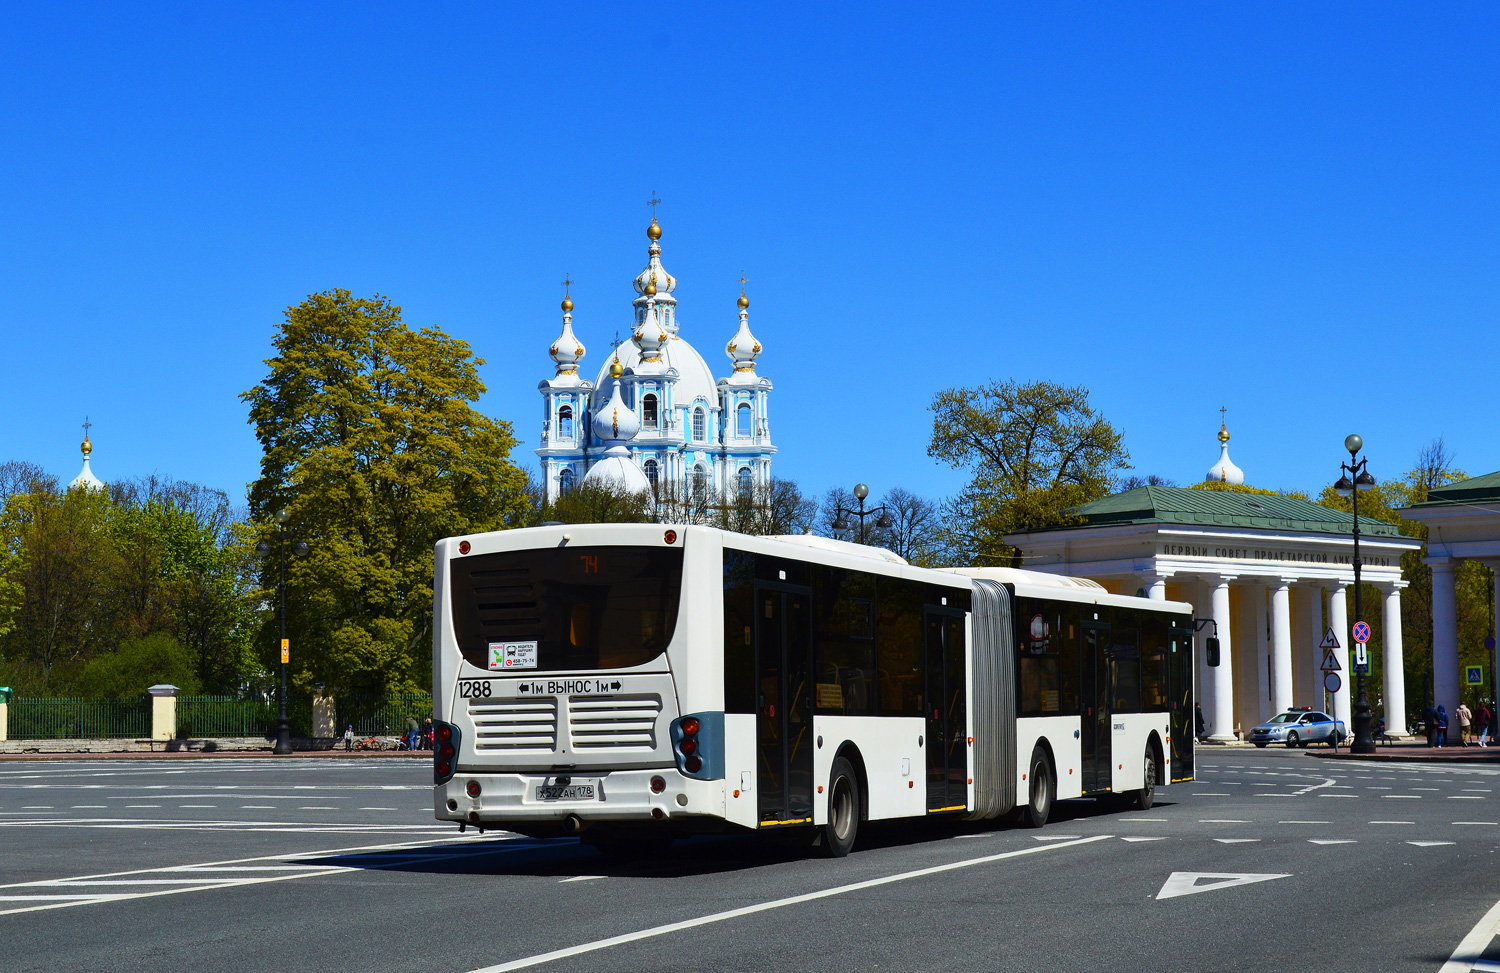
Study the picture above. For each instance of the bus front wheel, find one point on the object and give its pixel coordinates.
(1142, 799)
(1040, 792)
(837, 836)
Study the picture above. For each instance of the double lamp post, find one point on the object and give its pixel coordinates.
(841, 520)
(1355, 479)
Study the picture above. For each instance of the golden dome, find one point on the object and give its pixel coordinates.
(567, 304)
(616, 370)
(744, 301)
(1223, 433)
(654, 230)
(86, 446)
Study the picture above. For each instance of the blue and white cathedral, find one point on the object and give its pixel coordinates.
(655, 417)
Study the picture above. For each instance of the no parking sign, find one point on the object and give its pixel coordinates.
(1361, 631)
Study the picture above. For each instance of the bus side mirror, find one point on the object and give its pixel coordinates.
(1212, 644)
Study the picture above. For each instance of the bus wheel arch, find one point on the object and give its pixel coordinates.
(845, 799)
(1153, 744)
(850, 752)
(1035, 806)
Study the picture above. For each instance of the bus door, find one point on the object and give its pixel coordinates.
(1094, 702)
(947, 728)
(1183, 723)
(783, 637)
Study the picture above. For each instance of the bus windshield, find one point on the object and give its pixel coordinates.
(584, 608)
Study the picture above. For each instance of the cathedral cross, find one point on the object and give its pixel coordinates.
(86, 427)
(652, 202)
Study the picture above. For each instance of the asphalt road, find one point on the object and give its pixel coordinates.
(248, 865)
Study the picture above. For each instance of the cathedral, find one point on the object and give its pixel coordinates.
(654, 418)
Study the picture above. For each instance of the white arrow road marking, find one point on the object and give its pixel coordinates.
(654, 931)
(1234, 841)
(1143, 839)
(1466, 956)
(1429, 844)
(1331, 841)
(580, 878)
(1056, 837)
(1186, 883)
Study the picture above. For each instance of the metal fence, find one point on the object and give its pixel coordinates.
(381, 715)
(62, 718)
(222, 716)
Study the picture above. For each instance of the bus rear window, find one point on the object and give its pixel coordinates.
(584, 608)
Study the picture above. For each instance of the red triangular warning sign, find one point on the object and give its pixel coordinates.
(1330, 662)
(1330, 641)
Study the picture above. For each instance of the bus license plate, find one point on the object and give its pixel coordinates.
(572, 792)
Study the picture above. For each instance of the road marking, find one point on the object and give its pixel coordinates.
(1492, 823)
(1393, 822)
(78, 806)
(1331, 841)
(1158, 820)
(1377, 787)
(1402, 797)
(1143, 839)
(1208, 794)
(1464, 797)
(317, 807)
(580, 878)
(1221, 821)
(377, 809)
(1429, 844)
(197, 805)
(1055, 837)
(654, 931)
(36, 807)
(141, 805)
(257, 807)
(1186, 883)
(1338, 795)
(1302, 822)
(1234, 841)
(217, 875)
(1480, 790)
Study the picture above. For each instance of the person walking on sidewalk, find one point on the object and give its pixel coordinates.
(349, 737)
(1486, 717)
(1465, 717)
(1442, 725)
(411, 733)
(1429, 721)
(1198, 719)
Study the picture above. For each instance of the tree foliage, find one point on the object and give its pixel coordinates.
(1032, 451)
(371, 444)
(84, 571)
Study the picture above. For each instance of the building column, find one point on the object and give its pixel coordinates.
(1309, 634)
(1338, 621)
(1393, 665)
(1262, 621)
(1223, 675)
(1281, 645)
(1444, 636)
(1156, 587)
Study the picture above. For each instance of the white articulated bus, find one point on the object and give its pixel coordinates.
(635, 682)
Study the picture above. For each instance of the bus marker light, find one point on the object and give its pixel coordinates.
(1023, 776)
(911, 784)
(670, 537)
(690, 726)
(473, 788)
(693, 763)
(658, 785)
(736, 793)
(820, 788)
(657, 813)
(463, 547)
(688, 745)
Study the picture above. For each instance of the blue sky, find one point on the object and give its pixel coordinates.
(1289, 211)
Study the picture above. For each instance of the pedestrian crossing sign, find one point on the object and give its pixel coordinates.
(1476, 675)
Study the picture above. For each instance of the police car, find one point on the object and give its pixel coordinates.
(1298, 727)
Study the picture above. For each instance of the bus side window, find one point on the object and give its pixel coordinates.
(1154, 658)
(843, 603)
(1125, 668)
(898, 639)
(739, 642)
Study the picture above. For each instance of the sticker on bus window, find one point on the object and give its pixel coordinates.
(512, 655)
(830, 695)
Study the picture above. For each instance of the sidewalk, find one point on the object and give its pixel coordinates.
(1417, 752)
(237, 748)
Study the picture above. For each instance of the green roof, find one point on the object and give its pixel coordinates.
(1474, 489)
(1222, 508)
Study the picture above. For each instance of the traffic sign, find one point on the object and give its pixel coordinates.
(1489, 643)
(1476, 675)
(1332, 682)
(1361, 659)
(1330, 662)
(1361, 631)
(286, 645)
(1330, 641)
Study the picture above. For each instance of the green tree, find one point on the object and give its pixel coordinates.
(137, 664)
(590, 503)
(372, 445)
(1033, 452)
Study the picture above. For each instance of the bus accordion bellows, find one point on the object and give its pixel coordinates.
(630, 683)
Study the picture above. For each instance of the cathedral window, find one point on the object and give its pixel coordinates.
(565, 482)
(700, 425)
(746, 480)
(743, 420)
(565, 422)
(700, 484)
(648, 411)
(650, 468)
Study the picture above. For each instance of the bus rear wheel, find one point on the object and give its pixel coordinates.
(1040, 792)
(836, 838)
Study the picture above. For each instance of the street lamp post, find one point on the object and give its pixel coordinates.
(841, 521)
(1355, 479)
(283, 725)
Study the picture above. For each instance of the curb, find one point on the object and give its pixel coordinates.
(222, 755)
(1410, 758)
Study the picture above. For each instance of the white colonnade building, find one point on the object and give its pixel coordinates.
(1463, 523)
(1260, 566)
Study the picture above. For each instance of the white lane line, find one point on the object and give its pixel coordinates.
(1477, 790)
(257, 807)
(1402, 797)
(1158, 820)
(377, 809)
(317, 807)
(1221, 821)
(128, 806)
(1331, 841)
(1429, 844)
(580, 878)
(36, 807)
(1377, 787)
(1393, 822)
(1054, 837)
(90, 806)
(1464, 797)
(1338, 795)
(197, 805)
(1327, 782)
(1303, 822)
(654, 931)
(1208, 794)
(1235, 841)
(1491, 823)
(1143, 839)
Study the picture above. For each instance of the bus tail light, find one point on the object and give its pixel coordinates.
(445, 739)
(473, 788)
(698, 745)
(658, 784)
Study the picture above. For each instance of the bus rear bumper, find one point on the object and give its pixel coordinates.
(526, 803)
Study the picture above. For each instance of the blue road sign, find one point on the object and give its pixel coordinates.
(1476, 675)
(1489, 643)
(1361, 631)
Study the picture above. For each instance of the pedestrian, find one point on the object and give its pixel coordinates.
(1198, 718)
(1465, 717)
(1429, 722)
(411, 733)
(1482, 718)
(349, 737)
(1442, 725)
(427, 734)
